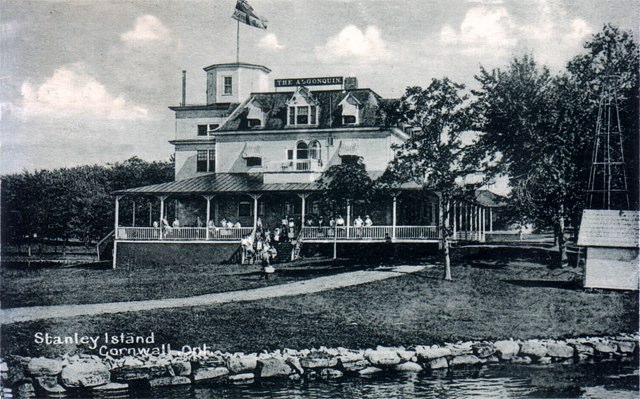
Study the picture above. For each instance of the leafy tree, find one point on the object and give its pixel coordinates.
(345, 183)
(434, 155)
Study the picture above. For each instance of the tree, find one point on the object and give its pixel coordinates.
(345, 183)
(434, 154)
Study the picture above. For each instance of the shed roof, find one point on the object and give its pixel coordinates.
(609, 228)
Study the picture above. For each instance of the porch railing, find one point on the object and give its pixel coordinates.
(181, 233)
(369, 232)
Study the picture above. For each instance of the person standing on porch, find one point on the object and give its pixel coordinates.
(367, 221)
(176, 223)
(223, 222)
(292, 229)
(237, 225)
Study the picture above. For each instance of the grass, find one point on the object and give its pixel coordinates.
(488, 299)
(86, 285)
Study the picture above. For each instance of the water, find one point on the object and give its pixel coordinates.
(607, 380)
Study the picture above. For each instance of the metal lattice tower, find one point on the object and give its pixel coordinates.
(608, 176)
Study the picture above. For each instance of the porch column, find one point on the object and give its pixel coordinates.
(490, 219)
(150, 214)
(394, 217)
(434, 222)
(133, 214)
(466, 222)
(303, 197)
(484, 222)
(441, 220)
(455, 225)
(162, 198)
(255, 197)
(117, 215)
(348, 217)
(206, 224)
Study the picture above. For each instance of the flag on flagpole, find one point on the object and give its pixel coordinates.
(245, 14)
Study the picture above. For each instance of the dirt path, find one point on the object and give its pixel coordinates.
(15, 315)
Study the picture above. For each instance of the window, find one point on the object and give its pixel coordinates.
(313, 115)
(202, 130)
(302, 151)
(201, 163)
(289, 154)
(314, 150)
(254, 122)
(212, 127)
(292, 115)
(206, 161)
(348, 119)
(330, 141)
(254, 161)
(245, 208)
(207, 130)
(302, 117)
(228, 86)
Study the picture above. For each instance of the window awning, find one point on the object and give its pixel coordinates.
(252, 150)
(348, 147)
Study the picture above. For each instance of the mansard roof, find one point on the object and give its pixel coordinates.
(274, 105)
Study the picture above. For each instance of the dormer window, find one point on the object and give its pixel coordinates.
(302, 109)
(207, 130)
(255, 115)
(350, 110)
(254, 122)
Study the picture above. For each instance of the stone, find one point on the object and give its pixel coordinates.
(458, 349)
(521, 360)
(383, 358)
(439, 363)
(348, 357)
(369, 371)
(409, 367)
(212, 361)
(426, 353)
(128, 373)
(169, 381)
(605, 347)
(545, 360)
(209, 373)
(273, 368)
(25, 390)
(318, 360)
(294, 363)
(49, 384)
(533, 348)
(112, 386)
(354, 366)
(484, 349)
(406, 355)
(241, 364)
(626, 346)
(181, 368)
(41, 366)
(506, 349)
(465, 360)
(85, 374)
(582, 349)
(559, 350)
(330, 374)
(244, 378)
(3, 367)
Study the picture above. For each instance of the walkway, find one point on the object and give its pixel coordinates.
(15, 315)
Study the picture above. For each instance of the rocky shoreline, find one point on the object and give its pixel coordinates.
(25, 377)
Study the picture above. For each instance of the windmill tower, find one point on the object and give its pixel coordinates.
(608, 176)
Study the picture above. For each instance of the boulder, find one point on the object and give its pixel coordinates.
(209, 373)
(330, 374)
(463, 348)
(348, 357)
(426, 353)
(533, 348)
(169, 381)
(439, 363)
(112, 386)
(369, 371)
(583, 350)
(273, 367)
(294, 363)
(409, 367)
(128, 373)
(354, 366)
(41, 366)
(181, 368)
(383, 358)
(626, 346)
(484, 349)
(559, 350)
(545, 360)
(211, 361)
(25, 390)
(406, 355)
(506, 349)
(318, 360)
(244, 378)
(49, 384)
(604, 347)
(85, 374)
(242, 364)
(465, 360)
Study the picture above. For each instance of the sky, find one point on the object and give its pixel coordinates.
(86, 82)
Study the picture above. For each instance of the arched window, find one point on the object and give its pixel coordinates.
(302, 150)
(314, 150)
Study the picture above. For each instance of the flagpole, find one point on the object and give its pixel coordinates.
(237, 41)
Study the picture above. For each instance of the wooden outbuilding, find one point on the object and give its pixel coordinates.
(611, 241)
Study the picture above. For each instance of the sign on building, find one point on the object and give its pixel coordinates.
(334, 80)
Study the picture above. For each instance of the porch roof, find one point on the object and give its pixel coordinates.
(220, 183)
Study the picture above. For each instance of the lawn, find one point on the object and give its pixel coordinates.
(85, 285)
(489, 299)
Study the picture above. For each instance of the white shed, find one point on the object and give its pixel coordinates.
(611, 239)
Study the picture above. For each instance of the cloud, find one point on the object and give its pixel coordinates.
(147, 29)
(71, 92)
(270, 41)
(483, 31)
(580, 29)
(354, 44)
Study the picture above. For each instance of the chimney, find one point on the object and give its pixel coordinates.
(350, 83)
(184, 88)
